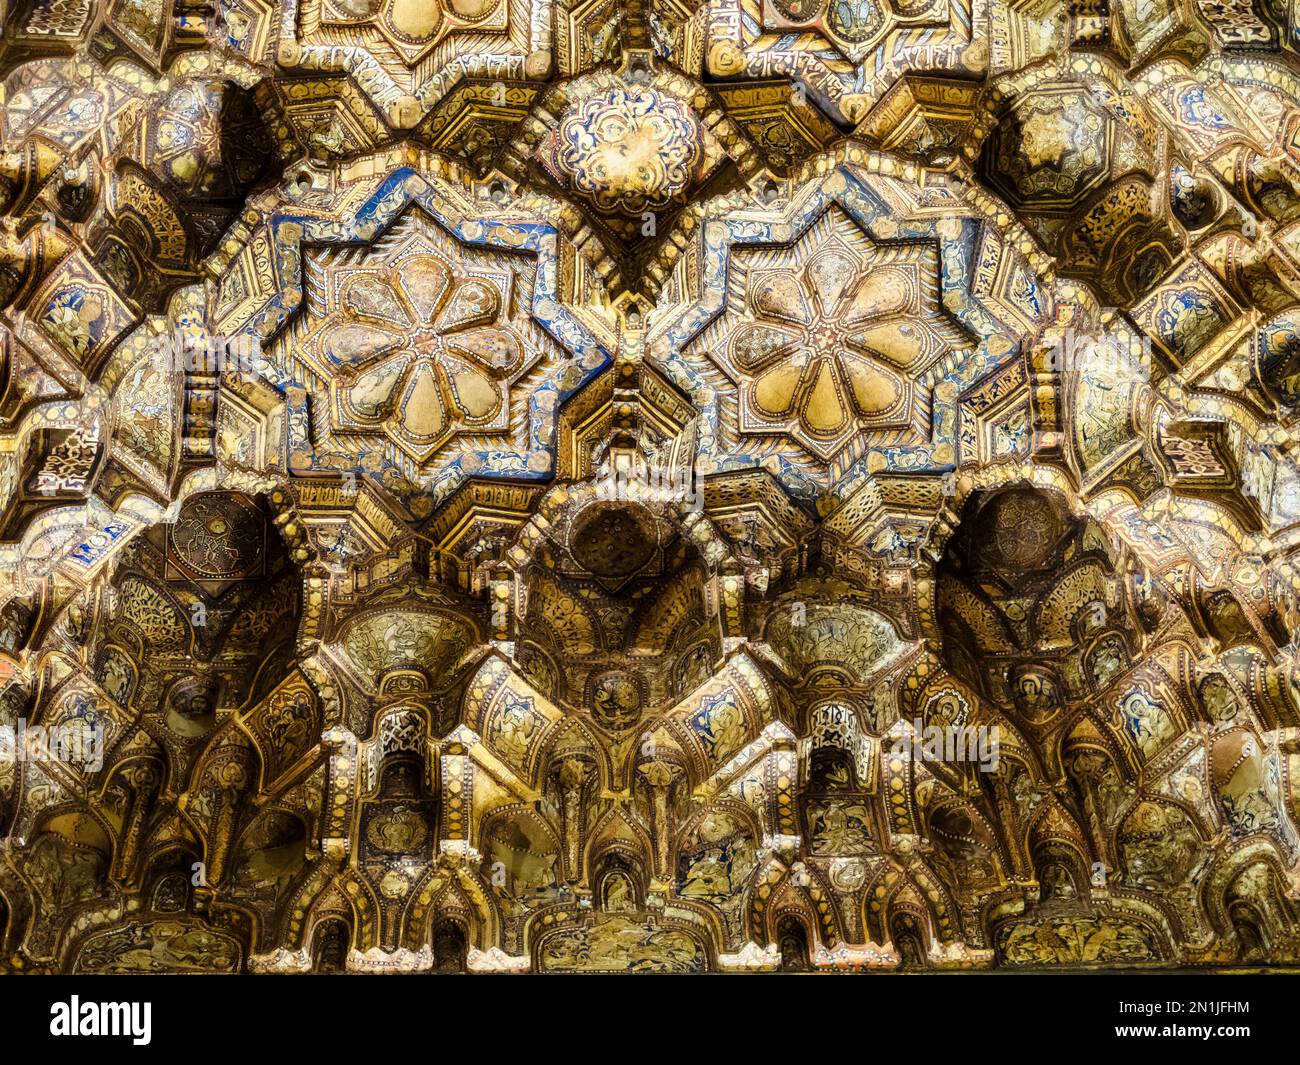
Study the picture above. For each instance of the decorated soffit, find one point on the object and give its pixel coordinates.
(675, 486)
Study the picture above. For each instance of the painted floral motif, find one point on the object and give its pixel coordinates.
(834, 337)
(630, 149)
(422, 353)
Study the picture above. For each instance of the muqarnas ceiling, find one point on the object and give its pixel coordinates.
(659, 486)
